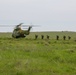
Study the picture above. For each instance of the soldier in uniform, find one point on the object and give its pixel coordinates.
(36, 36)
(47, 37)
(57, 37)
(42, 36)
(69, 37)
(64, 37)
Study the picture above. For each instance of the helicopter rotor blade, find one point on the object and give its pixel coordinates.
(23, 25)
(7, 25)
(10, 25)
(30, 25)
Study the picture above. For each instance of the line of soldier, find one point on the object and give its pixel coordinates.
(42, 37)
(64, 37)
(57, 37)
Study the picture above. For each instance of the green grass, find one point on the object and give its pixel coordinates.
(51, 34)
(27, 56)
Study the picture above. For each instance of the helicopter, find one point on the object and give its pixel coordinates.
(18, 32)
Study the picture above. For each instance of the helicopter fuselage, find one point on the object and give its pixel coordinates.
(18, 32)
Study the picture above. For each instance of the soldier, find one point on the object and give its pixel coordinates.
(42, 36)
(47, 37)
(36, 36)
(64, 37)
(69, 37)
(57, 37)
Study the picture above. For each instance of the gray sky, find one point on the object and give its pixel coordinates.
(51, 15)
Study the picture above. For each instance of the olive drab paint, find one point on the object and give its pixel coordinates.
(18, 32)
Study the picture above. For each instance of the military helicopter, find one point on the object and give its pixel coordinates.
(18, 32)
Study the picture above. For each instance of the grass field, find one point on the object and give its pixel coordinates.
(51, 34)
(27, 56)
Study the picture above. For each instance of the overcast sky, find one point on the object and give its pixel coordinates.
(51, 15)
